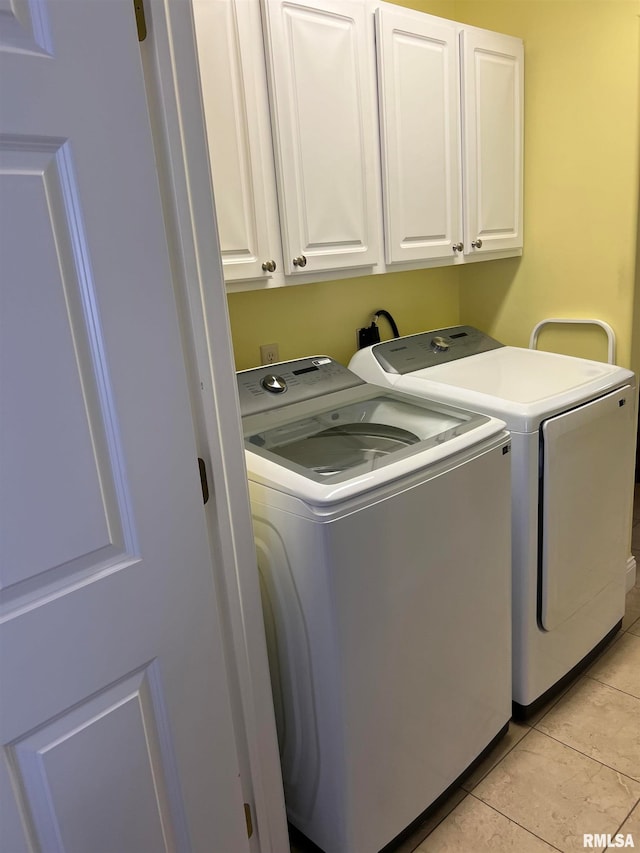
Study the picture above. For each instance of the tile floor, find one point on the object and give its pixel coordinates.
(574, 768)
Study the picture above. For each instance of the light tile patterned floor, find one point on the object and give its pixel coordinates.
(574, 768)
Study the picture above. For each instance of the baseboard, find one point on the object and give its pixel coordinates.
(631, 573)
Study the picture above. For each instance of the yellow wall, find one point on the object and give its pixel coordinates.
(581, 195)
(635, 337)
(581, 175)
(322, 318)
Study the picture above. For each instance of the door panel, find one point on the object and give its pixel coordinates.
(55, 420)
(420, 139)
(586, 503)
(493, 116)
(321, 78)
(234, 92)
(24, 27)
(116, 730)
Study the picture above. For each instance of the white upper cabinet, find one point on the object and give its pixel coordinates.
(234, 91)
(321, 74)
(315, 157)
(418, 91)
(493, 109)
(447, 194)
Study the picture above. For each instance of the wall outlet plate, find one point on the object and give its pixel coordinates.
(269, 354)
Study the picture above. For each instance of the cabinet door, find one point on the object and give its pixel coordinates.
(493, 94)
(418, 90)
(236, 110)
(321, 74)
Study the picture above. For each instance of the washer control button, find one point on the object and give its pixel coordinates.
(438, 344)
(273, 383)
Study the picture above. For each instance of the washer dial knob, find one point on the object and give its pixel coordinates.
(273, 383)
(438, 344)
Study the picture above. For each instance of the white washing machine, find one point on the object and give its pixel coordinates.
(385, 572)
(573, 427)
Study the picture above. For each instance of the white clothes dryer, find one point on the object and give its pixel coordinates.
(385, 572)
(573, 427)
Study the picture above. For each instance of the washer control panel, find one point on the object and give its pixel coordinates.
(416, 352)
(274, 385)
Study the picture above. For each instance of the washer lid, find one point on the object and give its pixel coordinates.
(521, 386)
(355, 440)
(334, 443)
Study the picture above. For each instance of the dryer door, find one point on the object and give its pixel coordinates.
(586, 493)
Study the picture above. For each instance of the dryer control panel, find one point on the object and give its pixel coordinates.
(275, 385)
(416, 352)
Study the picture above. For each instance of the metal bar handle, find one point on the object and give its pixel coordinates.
(611, 335)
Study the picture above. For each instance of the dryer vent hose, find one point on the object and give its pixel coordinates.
(389, 319)
(370, 335)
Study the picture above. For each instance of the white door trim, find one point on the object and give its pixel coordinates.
(173, 85)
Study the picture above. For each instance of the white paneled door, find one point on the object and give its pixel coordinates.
(115, 723)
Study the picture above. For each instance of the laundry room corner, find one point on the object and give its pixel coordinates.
(581, 177)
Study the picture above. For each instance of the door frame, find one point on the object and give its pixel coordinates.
(170, 64)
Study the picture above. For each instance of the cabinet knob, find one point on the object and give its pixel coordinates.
(458, 247)
(477, 244)
(300, 261)
(269, 266)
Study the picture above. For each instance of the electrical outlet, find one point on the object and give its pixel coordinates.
(269, 353)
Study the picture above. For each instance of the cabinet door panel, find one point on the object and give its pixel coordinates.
(493, 96)
(322, 101)
(420, 139)
(237, 115)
